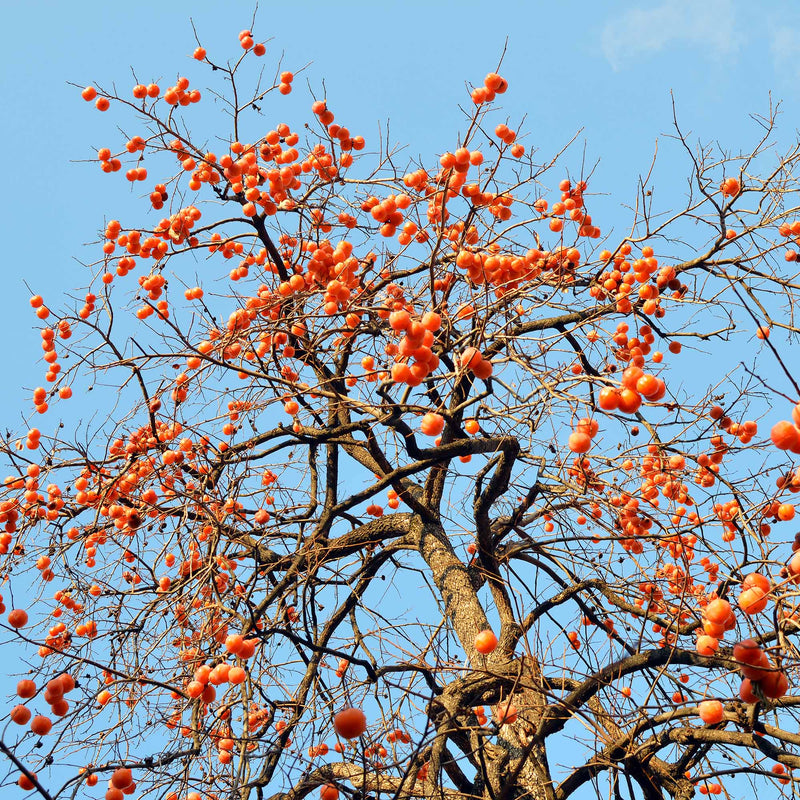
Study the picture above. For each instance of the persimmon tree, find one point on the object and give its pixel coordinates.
(358, 477)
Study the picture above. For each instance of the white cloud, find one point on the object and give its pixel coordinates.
(639, 32)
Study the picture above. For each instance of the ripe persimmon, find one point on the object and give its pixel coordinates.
(483, 369)
(775, 684)
(485, 641)
(59, 708)
(350, 723)
(18, 618)
(753, 600)
(608, 398)
(122, 778)
(24, 782)
(470, 358)
(579, 442)
(505, 713)
(248, 648)
(628, 401)
(432, 424)
(758, 669)
(717, 611)
(711, 711)
(20, 714)
(707, 645)
(785, 436)
(41, 725)
(236, 675)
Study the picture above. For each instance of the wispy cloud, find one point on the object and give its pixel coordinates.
(783, 48)
(639, 32)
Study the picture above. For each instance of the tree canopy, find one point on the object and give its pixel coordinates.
(357, 476)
